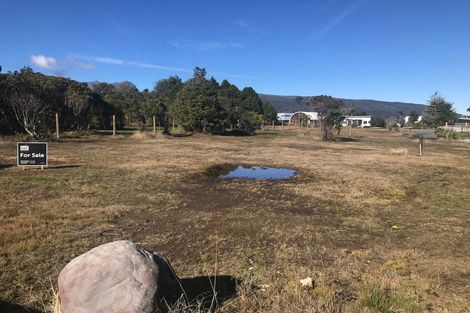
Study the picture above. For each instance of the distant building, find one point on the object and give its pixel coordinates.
(312, 117)
(462, 124)
(358, 121)
(463, 119)
(284, 117)
(293, 118)
(407, 119)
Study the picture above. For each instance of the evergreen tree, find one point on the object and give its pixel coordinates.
(162, 98)
(439, 111)
(196, 107)
(250, 101)
(269, 113)
(413, 117)
(229, 99)
(250, 110)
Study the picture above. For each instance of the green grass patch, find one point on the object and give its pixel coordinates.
(383, 300)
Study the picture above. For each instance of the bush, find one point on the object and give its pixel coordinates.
(377, 121)
(447, 134)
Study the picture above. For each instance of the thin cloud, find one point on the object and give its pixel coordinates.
(121, 62)
(337, 20)
(43, 61)
(81, 65)
(333, 23)
(203, 45)
(247, 26)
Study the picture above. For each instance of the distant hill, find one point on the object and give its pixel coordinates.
(371, 107)
(92, 84)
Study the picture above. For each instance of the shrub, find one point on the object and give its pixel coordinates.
(448, 134)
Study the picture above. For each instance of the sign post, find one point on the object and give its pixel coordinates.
(32, 154)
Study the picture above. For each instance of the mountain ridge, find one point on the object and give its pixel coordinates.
(372, 107)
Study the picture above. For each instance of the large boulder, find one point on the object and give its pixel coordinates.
(118, 277)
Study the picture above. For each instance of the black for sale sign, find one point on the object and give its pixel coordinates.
(32, 153)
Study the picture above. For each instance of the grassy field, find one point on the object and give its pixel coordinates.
(377, 227)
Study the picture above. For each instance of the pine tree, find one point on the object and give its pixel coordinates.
(439, 111)
(269, 113)
(229, 99)
(196, 106)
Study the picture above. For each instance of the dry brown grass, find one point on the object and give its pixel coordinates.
(333, 222)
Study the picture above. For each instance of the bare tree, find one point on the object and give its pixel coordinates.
(29, 110)
(391, 122)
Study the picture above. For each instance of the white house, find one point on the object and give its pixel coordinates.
(284, 117)
(407, 119)
(358, 121)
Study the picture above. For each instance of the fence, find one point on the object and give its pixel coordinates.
(460, 127)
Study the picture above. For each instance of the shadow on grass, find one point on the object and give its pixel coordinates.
(58, 167)
(6, 307)
(200, 290)
(5, 166)
(235, 133)
(118, 132)
(54, 167)
(178, 135)
(346, 139)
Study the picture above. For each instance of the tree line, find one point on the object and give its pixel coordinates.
(29, 101)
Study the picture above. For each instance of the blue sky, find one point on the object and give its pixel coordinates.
(360, 49)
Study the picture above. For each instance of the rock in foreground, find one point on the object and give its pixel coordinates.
(118, 277)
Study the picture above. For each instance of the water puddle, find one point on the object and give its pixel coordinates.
(230, 171)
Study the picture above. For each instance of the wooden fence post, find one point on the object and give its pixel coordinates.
(57, 131)
(154, 125)
(114, 125)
